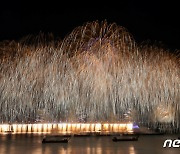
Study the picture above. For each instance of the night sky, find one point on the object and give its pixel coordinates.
(146, 20)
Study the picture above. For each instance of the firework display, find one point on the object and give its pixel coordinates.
(95, 74)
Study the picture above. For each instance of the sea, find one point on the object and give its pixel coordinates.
(32, 144)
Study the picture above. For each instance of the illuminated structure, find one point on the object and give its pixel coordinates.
(70, 128)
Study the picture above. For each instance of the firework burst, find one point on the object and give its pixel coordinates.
(96, 74)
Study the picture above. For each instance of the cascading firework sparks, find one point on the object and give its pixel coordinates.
(96, 74)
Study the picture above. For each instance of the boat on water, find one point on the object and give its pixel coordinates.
(55, 139)
(9, 131)
(125, 138)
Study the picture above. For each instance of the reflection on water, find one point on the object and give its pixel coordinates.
(30, 144)
(131, 150)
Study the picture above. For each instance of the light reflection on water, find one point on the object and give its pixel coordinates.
(131, 150)
(17, 144)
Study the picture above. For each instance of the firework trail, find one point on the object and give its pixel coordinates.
(97, 73)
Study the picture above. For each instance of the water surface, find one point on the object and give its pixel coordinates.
(31, 144)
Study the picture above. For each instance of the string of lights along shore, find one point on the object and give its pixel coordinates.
(96, 74)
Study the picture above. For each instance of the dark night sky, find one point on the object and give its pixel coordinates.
(146, 20)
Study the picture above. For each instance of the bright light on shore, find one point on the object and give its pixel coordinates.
(66, 127)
